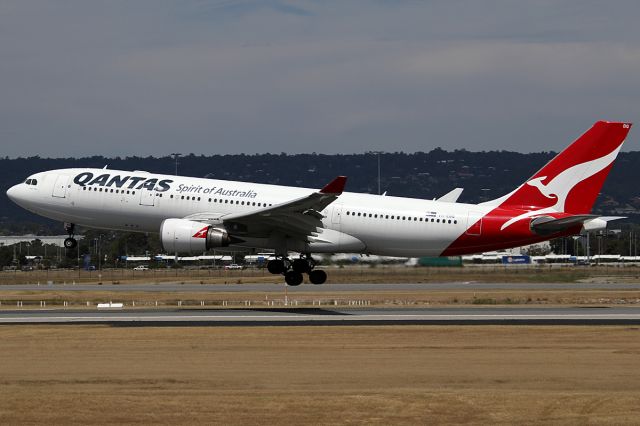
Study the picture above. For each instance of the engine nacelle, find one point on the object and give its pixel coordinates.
(188, 236)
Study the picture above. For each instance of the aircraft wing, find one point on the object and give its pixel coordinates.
(297, 218)
(451, 196)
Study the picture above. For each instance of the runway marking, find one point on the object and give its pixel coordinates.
(309, 318)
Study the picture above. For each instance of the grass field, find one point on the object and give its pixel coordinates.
(319, 375)
(350, 274)
(214, 291)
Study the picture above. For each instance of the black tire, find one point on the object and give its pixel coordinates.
(70, 243)
(275, 266)
(293, 278)
(317, 276)
(301, 265)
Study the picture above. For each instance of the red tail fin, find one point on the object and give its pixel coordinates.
(572, 180)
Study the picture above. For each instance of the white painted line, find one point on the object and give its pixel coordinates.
(307, 318)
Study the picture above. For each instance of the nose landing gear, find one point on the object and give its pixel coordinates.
(293, 270)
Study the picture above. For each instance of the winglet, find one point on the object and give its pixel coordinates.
(452, 196)
(336, 186)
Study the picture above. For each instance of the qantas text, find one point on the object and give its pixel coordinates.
(118, 181)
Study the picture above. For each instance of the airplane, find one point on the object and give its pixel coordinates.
(193, 215)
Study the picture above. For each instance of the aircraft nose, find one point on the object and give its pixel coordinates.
(11, 193)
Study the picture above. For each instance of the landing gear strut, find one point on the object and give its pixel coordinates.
(293, 270)
(70, 243)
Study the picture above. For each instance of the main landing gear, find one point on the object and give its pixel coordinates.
(293, 270)
(70, 243)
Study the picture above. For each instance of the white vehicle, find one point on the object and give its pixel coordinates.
(233, 266)
(193, 215)
(141, 268)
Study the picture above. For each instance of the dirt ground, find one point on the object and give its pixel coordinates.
(319, 375)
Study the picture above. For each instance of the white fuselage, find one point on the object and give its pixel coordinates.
(385, 225)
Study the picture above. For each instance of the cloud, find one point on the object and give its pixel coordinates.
(150, 77)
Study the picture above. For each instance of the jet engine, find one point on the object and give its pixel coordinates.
(188, 236)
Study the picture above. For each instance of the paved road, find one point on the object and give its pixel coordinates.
(366, 316)
(325, 288)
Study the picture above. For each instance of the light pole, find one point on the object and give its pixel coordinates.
(378, 172)
(175, 156)
(378, 154)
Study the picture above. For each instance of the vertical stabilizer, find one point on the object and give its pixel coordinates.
(571, 181)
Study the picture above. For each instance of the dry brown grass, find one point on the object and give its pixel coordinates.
(214, 295)
(351, 274)
(319, 375)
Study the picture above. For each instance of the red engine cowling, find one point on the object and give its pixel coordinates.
(188, 236)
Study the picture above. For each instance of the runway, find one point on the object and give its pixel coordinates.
(332, 317)
(325, 288)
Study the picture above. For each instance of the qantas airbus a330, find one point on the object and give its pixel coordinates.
(193, 215)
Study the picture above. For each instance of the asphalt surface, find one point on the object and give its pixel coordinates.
(324, 317)
(325, 288)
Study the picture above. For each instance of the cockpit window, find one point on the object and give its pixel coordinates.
(31, 182)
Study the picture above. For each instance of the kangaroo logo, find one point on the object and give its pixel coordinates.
(201, 233)
(558, 187)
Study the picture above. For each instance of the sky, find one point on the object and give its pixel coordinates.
(153, 77)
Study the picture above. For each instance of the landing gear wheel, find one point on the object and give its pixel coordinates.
(293, 278)
(301, 265)
(70, 243)
(276, 266)
(317, 276)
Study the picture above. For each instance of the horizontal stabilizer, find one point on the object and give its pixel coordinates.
(543, 225)
(452, 196)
